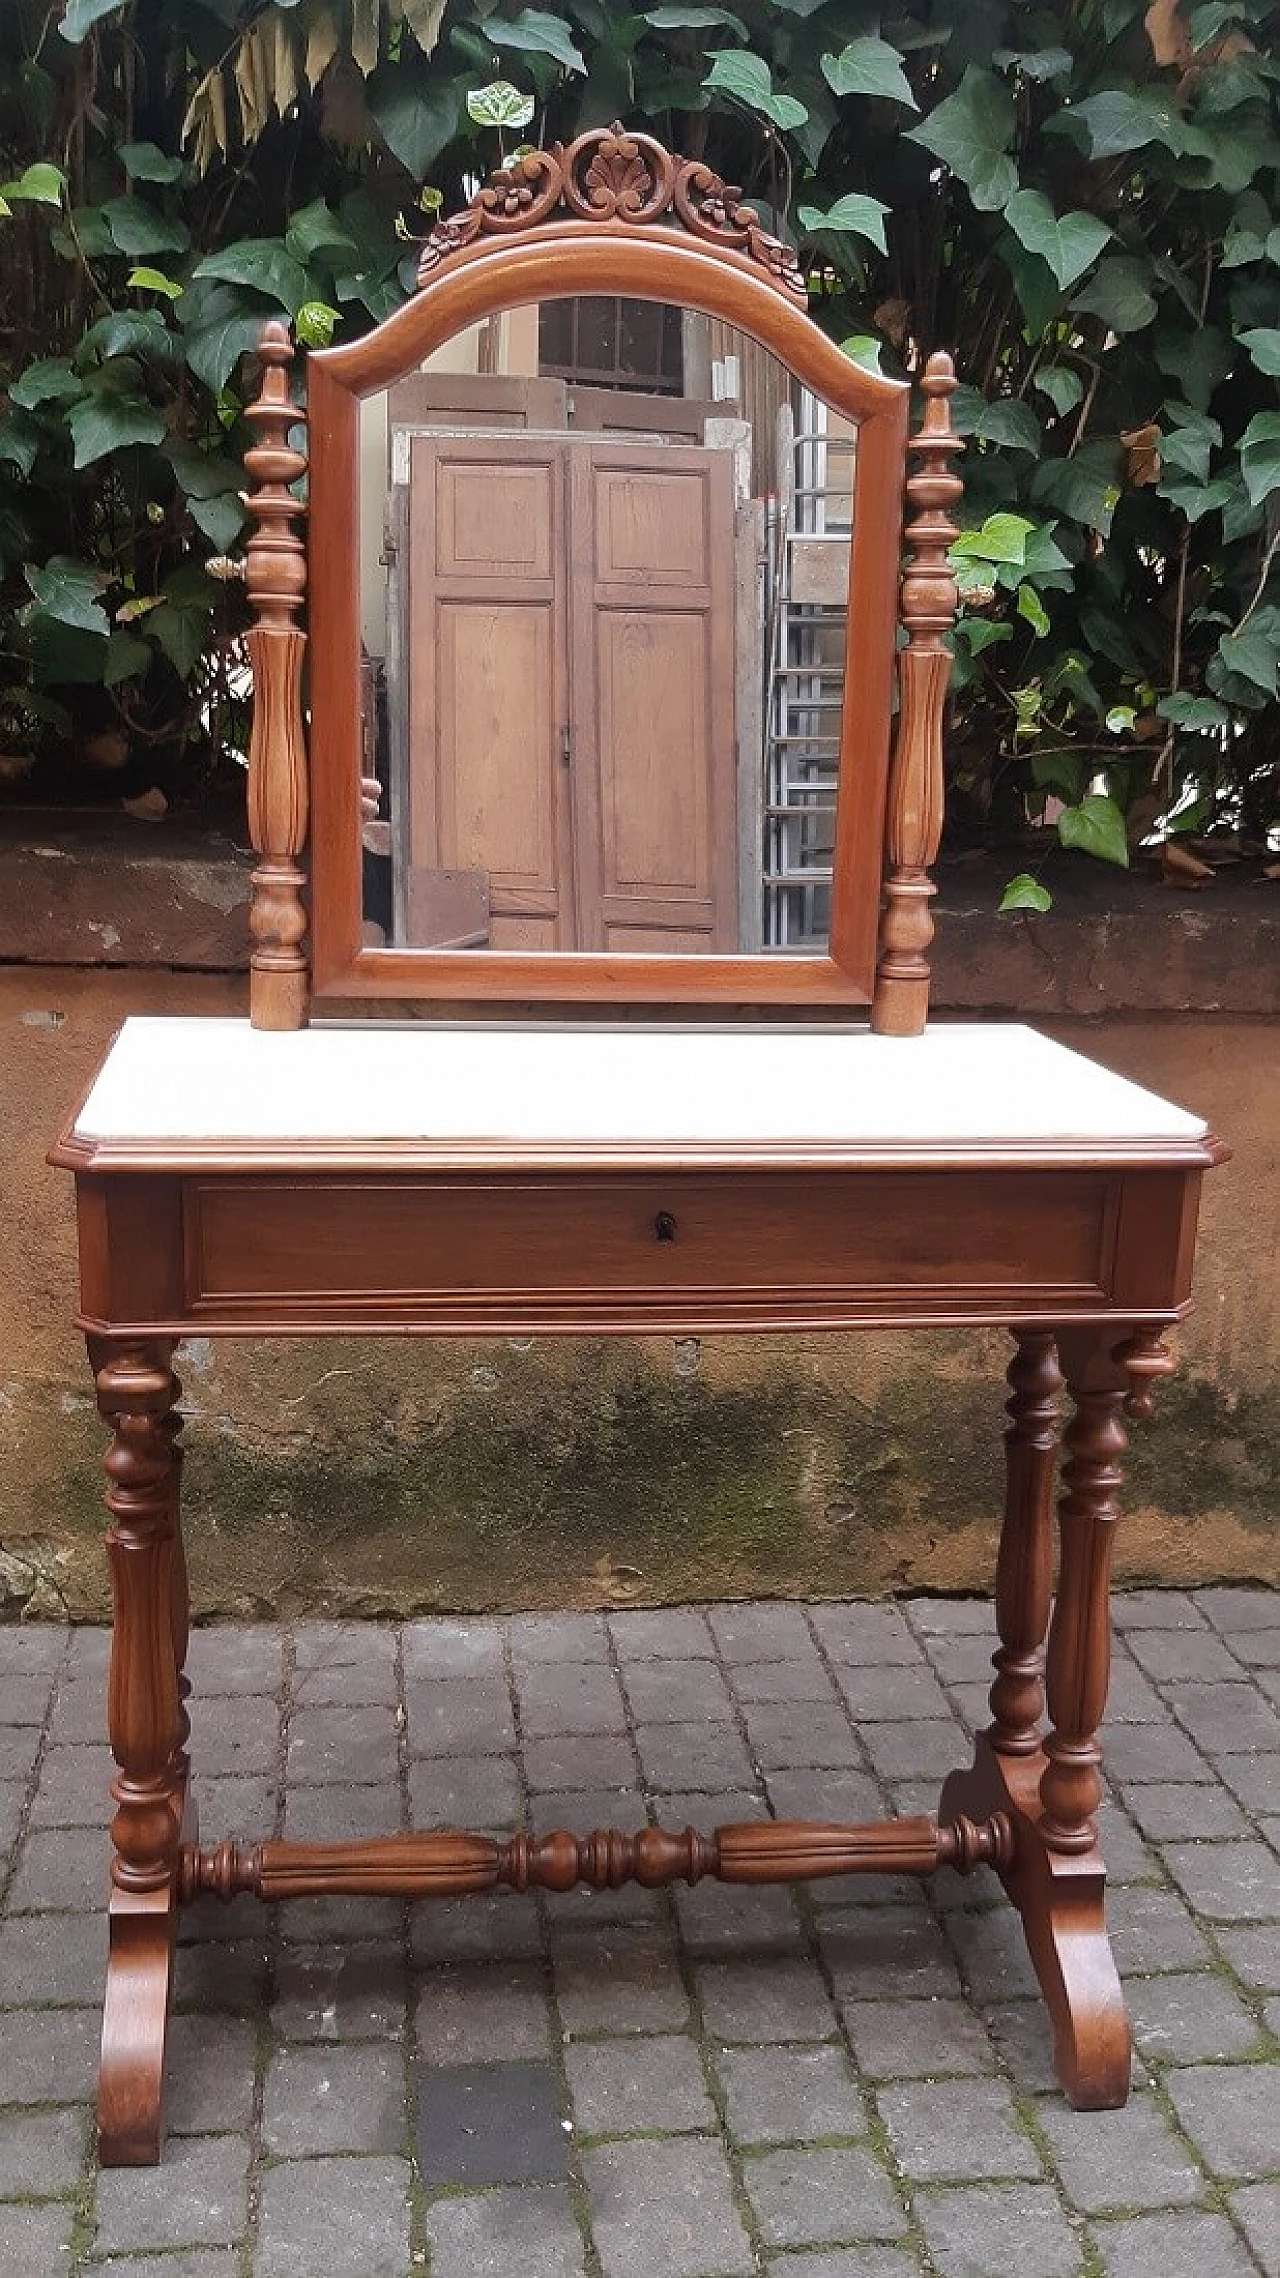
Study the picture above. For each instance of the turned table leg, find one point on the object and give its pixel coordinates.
(136, 1395)
(1024, 1570)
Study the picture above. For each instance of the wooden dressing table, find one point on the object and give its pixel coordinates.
(646, 1174)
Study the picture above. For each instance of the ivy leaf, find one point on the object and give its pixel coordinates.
(130, 332)
(1243, 667)
(127, 658)
(748, 78)
(220, 329)
(1009, 424)
(1200, 715)
(138, 231)
(417, 116)
(869, 66)
(315, 229)
(264, 265)
(1195, 500)
(105, 420)
(1030, 606)
(692, 20)
(863, 349)
(1190, 441)
(1260, 455)
(971, 132)
(1002, 538)
(1118, 292)
(1096, 826)
(854, 215)
(500, 105)
(1034, 63)
(1111, 124)
(19, 445)
(979, 633)
(220, 519)
(181, 623)
(146, 162)
(41, 185)
(49, 380)
(155, 281)
(1086, 488)
(535, 30)
(1025, 893)
(67, 591)
(1263, 344)
(1063, 387)
(1069, 244)
(316, 323)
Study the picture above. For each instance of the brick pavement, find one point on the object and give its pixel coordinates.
(849, 2079)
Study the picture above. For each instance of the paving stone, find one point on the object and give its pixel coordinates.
(1128, 1858)
(56, 1958)
(1226, 1882)
(195, 2197)
(1180, 1809)
(866, 2261)
(470, 2012)
(1156, 1609)
(460, 1716)
(12, 1798)
(957, 2130)
(862, 1635)
(1255, 1779)
(708, 1757)
(348, 2218)
(358, 1746)
(1254, 1955)
(1178, 2019)
(952, 1617)
(349, 1993)
(580, 1760)
(665, 2207)
(34, 2240)
(41, 2154)
(1152, 1752)
(243, 1805)
(963, 1660)
(806, 1735)
(581, 1698)
(783, 1681)
(789, 2094)
(209, 2068)
(1230, 2116)
(838, 1795)
(619, 2087)
(670, 1633)
(1180, 1653)
(1258, 1648)
(662, 1692)
(466, 1791)
(223, 1975)
(560, 1640)
(347, 1684)
(335, 2099)
(24, 1701)
(582, 1810)
(482, 2124)
(73, 1788)
(916, 1749)
(59, 1867)
(618, 1980)
(1227, 1719)
(777, 1632)
(236, 1736)
(804, 2198)
(19, 1746)
(197, 2262)
(237, 1659)
(341, 1812)
(79, 1708)
(1232, 1609)
(1130, 1699)
(494, 1927)
(1152, 1931)
(30, 1649)
(433, 1649)
(1024, 2038)
(1129, 2158)
(733, 1920)
(769, 1998)
(331, 1644)
(1185, 2245)
(887, 1952)
(88, 1649)
(1257, 2208)
(973, 2233)
(491, 2234)
(916, 2040)
(894, 1695)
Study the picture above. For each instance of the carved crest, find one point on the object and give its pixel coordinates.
(611, 175)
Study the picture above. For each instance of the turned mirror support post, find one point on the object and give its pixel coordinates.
(900, 1006)
(276, 581)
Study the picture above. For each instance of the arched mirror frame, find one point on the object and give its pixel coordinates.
(491, 258)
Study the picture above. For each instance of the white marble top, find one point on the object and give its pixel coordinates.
(601, 1085)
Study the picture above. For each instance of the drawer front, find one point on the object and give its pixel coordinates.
(761, 1244)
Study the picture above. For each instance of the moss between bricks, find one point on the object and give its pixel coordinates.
(593, 1476)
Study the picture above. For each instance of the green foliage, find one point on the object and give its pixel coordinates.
(1080, 204)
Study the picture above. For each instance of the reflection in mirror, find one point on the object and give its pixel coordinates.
(604, 561)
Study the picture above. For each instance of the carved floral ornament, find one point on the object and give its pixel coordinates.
(610, 175)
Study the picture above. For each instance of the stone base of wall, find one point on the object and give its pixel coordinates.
(405, 1475)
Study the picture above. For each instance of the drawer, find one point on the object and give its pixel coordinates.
(759, 1241)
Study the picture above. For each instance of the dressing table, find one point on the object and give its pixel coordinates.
(712, 1102)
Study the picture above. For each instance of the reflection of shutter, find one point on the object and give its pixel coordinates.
(588, 588)
(462, 399)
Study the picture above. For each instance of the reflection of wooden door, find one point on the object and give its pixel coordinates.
(570, 649)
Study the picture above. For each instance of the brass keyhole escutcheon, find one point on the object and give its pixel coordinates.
(664, 1227)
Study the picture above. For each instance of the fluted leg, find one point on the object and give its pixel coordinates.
(1024, 1572)
(136, 1395)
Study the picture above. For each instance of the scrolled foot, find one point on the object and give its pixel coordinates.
(135, 2018)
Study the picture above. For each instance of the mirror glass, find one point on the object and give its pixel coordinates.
(604, 562)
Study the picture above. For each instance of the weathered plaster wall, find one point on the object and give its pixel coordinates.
(410, 1474)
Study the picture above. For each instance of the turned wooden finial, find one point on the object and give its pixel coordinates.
(914, 822)
(276, 582)
(1146, 1358)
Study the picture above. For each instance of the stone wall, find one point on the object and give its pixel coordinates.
(409, 1474)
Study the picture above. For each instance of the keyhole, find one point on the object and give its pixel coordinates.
(664, 1226)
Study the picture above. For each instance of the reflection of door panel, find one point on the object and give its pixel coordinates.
(629, 674)
(467, 399)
